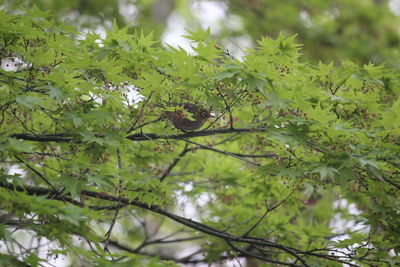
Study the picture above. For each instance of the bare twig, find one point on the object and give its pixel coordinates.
(132, 128)
(174, 162)
(256, 256)
(162, 241)
(37, 173)
(228, 108)
(220, 151)
(255, 156)
(268, 210)
(144, 124)
(228, 54)
(108, 234)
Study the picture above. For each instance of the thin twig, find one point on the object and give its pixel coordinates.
(144, 124)
(162, 241)
(228, 108)
(220, 151)
(228, 54)
(37, 173)
(108, 234)
(250, 254)
(174, 162)
(140, 114)
(268, 210)
(215, 121)
(255, 156)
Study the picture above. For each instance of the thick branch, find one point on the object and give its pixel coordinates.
(61, 138)
(66, 138)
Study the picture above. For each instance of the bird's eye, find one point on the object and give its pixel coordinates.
(204, 114)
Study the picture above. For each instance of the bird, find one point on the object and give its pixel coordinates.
(186, 123)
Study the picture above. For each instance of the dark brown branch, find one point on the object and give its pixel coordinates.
(66, 138)
(151, 136)
(61, 138)
(255, 156)
(112, 207)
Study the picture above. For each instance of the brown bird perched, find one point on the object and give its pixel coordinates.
(183, 121)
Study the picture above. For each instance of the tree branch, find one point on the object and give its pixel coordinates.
(174, 162)
(221, 152)
(268, 210)
(108, 234)
(37, 173)
(181, 220)
(67, 138)
(183, 260)
(228, 108)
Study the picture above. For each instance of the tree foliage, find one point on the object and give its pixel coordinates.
(294, 148)
(361, 31)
